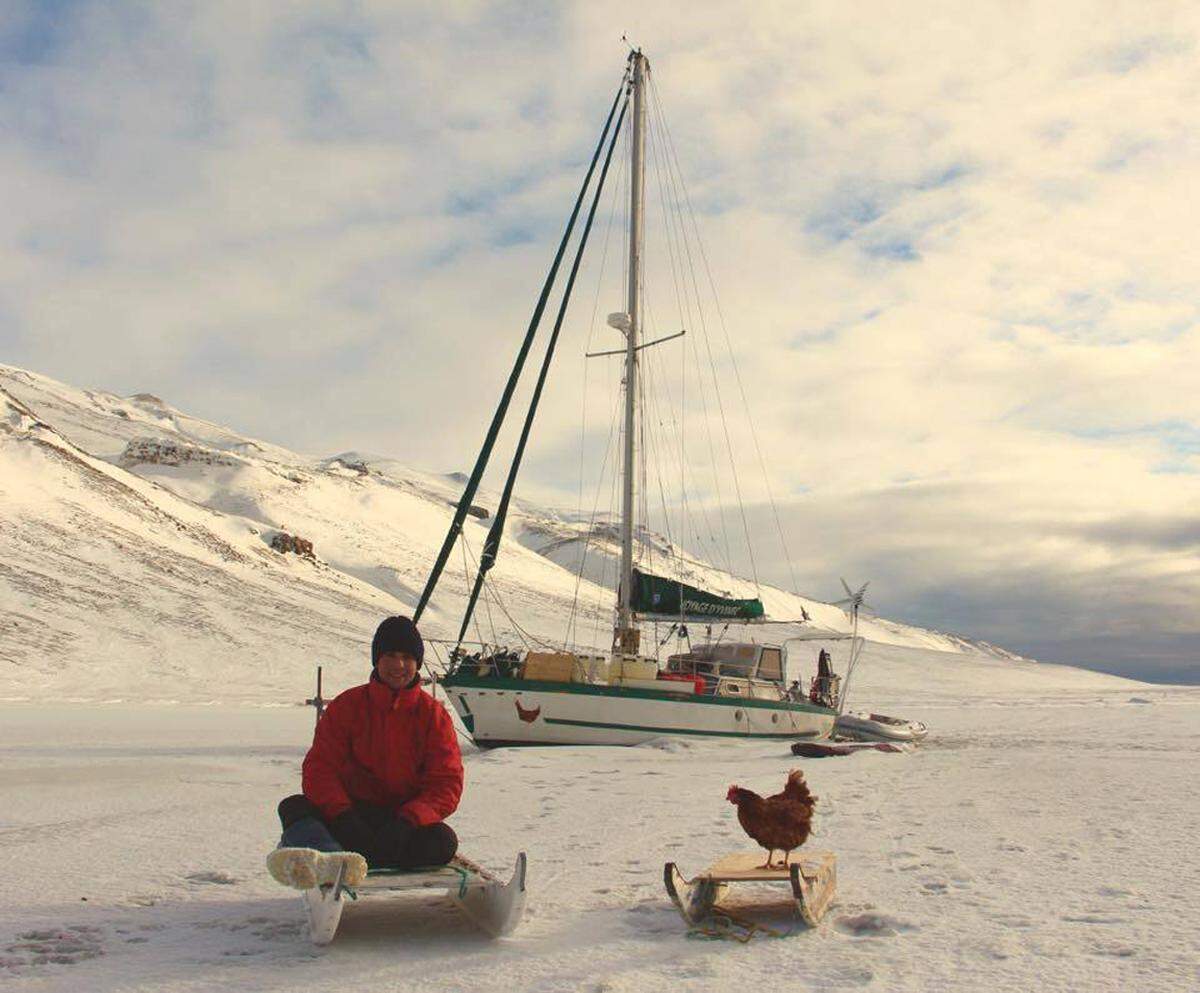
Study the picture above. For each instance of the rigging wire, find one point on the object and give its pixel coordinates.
(491, 593)
(467, 580)
(654, 418)
(715, 548)
(495, 535)
(655, 155)
(572, 629)
(657, 100)
(707, 342)
(481, 461)
(672, 210)
(613, 502)
(621, 165)
(572, 625)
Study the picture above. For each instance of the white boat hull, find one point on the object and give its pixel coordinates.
(524, 712)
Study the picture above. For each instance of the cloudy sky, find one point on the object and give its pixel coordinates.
(954, 246)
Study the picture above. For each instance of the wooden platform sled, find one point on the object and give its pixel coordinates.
(812, 875)
(496, 907)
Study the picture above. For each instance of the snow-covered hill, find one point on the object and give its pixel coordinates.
(139, 560)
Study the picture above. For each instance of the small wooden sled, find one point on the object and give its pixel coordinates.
(495, 906)
(813, 877)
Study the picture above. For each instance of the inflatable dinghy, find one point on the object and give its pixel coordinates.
(878, 727)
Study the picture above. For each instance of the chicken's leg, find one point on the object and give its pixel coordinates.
(767, 864)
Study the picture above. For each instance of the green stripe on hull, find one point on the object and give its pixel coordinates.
(631, 693)
(672, 731)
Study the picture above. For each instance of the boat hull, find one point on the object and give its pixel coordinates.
(500, 712)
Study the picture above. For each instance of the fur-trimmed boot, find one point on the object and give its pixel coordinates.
(305, 868)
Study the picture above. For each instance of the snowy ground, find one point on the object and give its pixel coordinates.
(1038, 844)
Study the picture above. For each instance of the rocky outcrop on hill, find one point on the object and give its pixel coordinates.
(284, 542)
(162, 451)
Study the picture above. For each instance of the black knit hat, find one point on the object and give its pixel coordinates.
(397, 634)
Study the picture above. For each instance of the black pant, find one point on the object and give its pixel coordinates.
(434, 844)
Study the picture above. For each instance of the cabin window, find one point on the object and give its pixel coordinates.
(771, 665)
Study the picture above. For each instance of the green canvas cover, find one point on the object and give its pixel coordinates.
(669, 597)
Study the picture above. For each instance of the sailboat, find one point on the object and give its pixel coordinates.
(624, 696)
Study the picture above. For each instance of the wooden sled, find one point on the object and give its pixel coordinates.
(496, 907)
(813, 878)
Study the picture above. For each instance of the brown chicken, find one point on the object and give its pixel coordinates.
(781, 822)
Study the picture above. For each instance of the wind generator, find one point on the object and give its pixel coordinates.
(856, 602)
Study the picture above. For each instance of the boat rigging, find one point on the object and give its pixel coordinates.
(568, 693)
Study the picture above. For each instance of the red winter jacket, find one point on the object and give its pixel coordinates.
(395, 749)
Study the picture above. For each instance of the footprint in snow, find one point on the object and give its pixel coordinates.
(1114, 891)
(873, 925)
(54, 946)
(1091, 919)
(215, 878)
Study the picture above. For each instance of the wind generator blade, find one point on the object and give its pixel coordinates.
(846, 587)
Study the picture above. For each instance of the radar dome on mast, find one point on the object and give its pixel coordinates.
(619, 320)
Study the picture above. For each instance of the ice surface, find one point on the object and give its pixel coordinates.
(1045, 844)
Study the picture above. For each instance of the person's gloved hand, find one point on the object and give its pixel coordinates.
(354, 835)
(393, 840)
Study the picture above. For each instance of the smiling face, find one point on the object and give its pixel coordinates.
(396, 669)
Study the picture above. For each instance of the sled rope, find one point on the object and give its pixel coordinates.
(463, 877)
(723, 925)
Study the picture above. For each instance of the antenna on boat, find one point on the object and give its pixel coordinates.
(856, 600)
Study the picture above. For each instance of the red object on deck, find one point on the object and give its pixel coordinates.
(680, 677)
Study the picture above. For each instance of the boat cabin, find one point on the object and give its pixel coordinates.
(740, 660)
(733, 668)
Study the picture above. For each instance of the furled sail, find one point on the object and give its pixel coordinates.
(669, 597)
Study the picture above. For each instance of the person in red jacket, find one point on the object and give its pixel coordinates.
(382, 775)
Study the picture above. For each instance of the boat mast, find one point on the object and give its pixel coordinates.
(626, 636)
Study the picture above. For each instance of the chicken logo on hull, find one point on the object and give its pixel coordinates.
(528, 716)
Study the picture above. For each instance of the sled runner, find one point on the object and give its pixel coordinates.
(494, 906)
(813, 878)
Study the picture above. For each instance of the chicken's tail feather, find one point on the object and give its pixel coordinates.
(797, 788)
